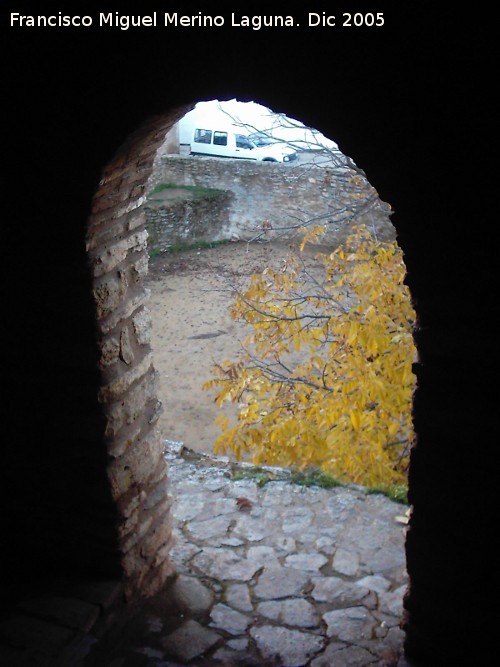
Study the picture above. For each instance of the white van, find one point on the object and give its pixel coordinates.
(227, 143)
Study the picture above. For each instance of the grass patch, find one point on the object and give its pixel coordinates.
(198, 191)
(260, 476)
(397, 492)
(302, 478)
(201, 245)
(314, 478)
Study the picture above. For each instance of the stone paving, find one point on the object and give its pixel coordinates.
(277, 573)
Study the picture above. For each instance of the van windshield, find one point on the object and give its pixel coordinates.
(261, 140)
(243, 142)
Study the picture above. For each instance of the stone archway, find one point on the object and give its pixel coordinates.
(408, 103)
(117, 248)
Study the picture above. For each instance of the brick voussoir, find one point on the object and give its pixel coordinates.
(118, 387)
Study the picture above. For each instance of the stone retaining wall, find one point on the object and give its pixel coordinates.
(187, 221)
(273, 199)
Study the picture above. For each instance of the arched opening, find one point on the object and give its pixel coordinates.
(413, 103)
(252, 223)
(235, 544)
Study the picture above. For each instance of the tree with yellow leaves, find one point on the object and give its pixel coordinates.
(325, 379)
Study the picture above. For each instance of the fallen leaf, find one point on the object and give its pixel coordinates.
(243, 504)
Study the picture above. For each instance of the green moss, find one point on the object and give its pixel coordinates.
(198, 191)
(313, 477)
(299, 477)
(260, 476)
(200, 245)
(396, 492)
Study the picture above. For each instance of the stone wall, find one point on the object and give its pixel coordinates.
(273, 200)
(117, 247)
(187, 221)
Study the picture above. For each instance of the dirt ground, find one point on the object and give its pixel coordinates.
(190, 299)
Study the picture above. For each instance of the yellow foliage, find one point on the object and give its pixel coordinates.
(344, 403)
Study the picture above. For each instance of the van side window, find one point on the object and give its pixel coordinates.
(242, 142)
(220, 138)
(203, 136)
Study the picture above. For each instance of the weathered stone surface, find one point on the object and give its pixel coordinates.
(275, 586)
(338, 655)
(292, 647)
(139, 268)
(227, 657)
(238, 597)
(284, 544)
(280, 582)
(188, 506)
(375, 583)
(296, 521)
(157, 494)
(371, 534)
(229, 620)
(126, 348)
(266, 594)
(325, 545)
(349, 625)
(262, 194)
(190, 640)
(262, 555)
(107, 296)
(203, 530)
(229, 542)
(128, 307)
(114, 389)
(337, 591)
(182, 553)
(346, 562)
(341, 505)
(218, 507)
(238, 644)
(246, 488)
(243, 570)
(109, 258)
(311, 562)
(392, 602)
(142, 323)
(136, 465)
(251, 528)
(225, 565)
(110, 351)
(214, 484)
(130, 407)
(296, 611)
(190, 594)
(215, 562)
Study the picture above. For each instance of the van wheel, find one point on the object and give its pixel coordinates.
(269, 159)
